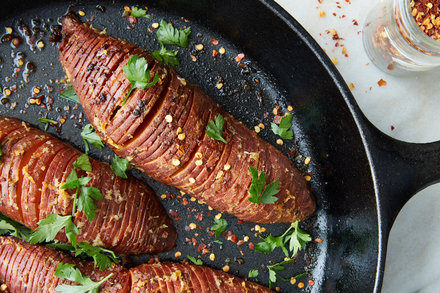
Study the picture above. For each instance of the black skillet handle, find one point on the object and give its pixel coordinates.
(400, 169)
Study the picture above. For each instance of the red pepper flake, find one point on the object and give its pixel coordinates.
(185, 201)
(355, 22)
(205, 251)
(251, 246)
(214, 53)
(233, 238)
(151, 261)
(201, 247)
(240, 242)
(382, 82)
(131, 19)
(214, 42)
(194, 241)
(211, 233)
(318, 240)
(277, 119)
(311, 283)
(239, 57)
(200, 217)
(240, 222)
(392, 127)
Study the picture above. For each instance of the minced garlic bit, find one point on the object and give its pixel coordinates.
(246, 238)
(181, 136)
(280, 141)
(40, 44)
(261, 125)
(81, 13)
(199, 155)
(199, 162)
(308, 178)
(257, 129)
(226, 167)
(289, 108)
(218, 216)
(199, 47)
(351, 86)
(9, 30)
(192, 226)
(169, 118)
(178, 254)
(163, 196)
(335, 60)
(193, 199)
(222, 51)
(155, 24)
(292, 281)
(8, 92)
(307, 160)
(176, 162)
(179, 130)
(219, 85)
(192, 180)
(212, 257)
(36, 90)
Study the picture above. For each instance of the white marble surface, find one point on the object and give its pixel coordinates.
(407, 109)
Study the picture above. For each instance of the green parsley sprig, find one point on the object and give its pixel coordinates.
(219, 227)
(274, 270)
(89, 136)
(215, 129)
(120, 166)
(49, 227)
(46, 122)
(10, 227)
(167, 56)
(253, 273)
(138, 74)
(67, 271)
(139, 12)
(167, 34)
(259, 193)
(194, 260)
(283, 130)
(69, 94)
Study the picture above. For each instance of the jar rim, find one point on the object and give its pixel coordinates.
(415, 32)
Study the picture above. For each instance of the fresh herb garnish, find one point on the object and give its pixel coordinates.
(89, 136)
(10, 227)
(214, 130)
(194, 260)
(69, 94)
(138, 12)
(67, 271)
(253, 274)
(283, 130)
(167, 56)
(84, 195)
(273, 272)
(296, 237)
(49, 227)
(120, 166)
(218, 242)
(46, 122)
(259, 193)
(168, 35)
(138, 74)
(219, 227)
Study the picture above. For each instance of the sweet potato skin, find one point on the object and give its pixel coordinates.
(35, 165)
(146, 131)
(173, 277)
(34, 267)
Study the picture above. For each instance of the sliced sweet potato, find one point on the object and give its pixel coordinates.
(145, 128)
(129, 220)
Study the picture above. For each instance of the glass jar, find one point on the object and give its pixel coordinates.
(394, 41)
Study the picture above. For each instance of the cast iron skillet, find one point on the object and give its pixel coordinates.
(361, 177)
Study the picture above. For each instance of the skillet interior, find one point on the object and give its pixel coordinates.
(290, 73)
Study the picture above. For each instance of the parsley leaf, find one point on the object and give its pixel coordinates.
(298, 239)
(168, 35)
(214, 130)
(258, 193)
(86, 203)
(283, 130)
(83, 163)
(10, 227)
(197, 261)
(269, 244)
(273, 272)
(66, 271)
(69, 94)
(120, 166)
(167, 56)
(46, 122)
(102, 257)
(72, 181)
(49, 227)
(89, 136)
(253, 274)
(219, 226)
(138, 74)
(138, 12)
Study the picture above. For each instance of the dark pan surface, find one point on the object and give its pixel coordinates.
(280, 68)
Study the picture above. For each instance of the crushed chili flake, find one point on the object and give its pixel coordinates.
(318, 240)
(426, 13)
(277, 119)
(214, 53)
(201, 247)
(239, 222)
(239, 57)
(240, 242)
(382, 82)
(214, 42)
(392, 127)
(251, 245)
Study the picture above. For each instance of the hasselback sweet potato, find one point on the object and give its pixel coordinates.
(30, 268)
(145, 129)
(33, 167)
(173, 277)
(27, 268)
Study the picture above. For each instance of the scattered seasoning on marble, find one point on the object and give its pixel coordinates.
(381, 82)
